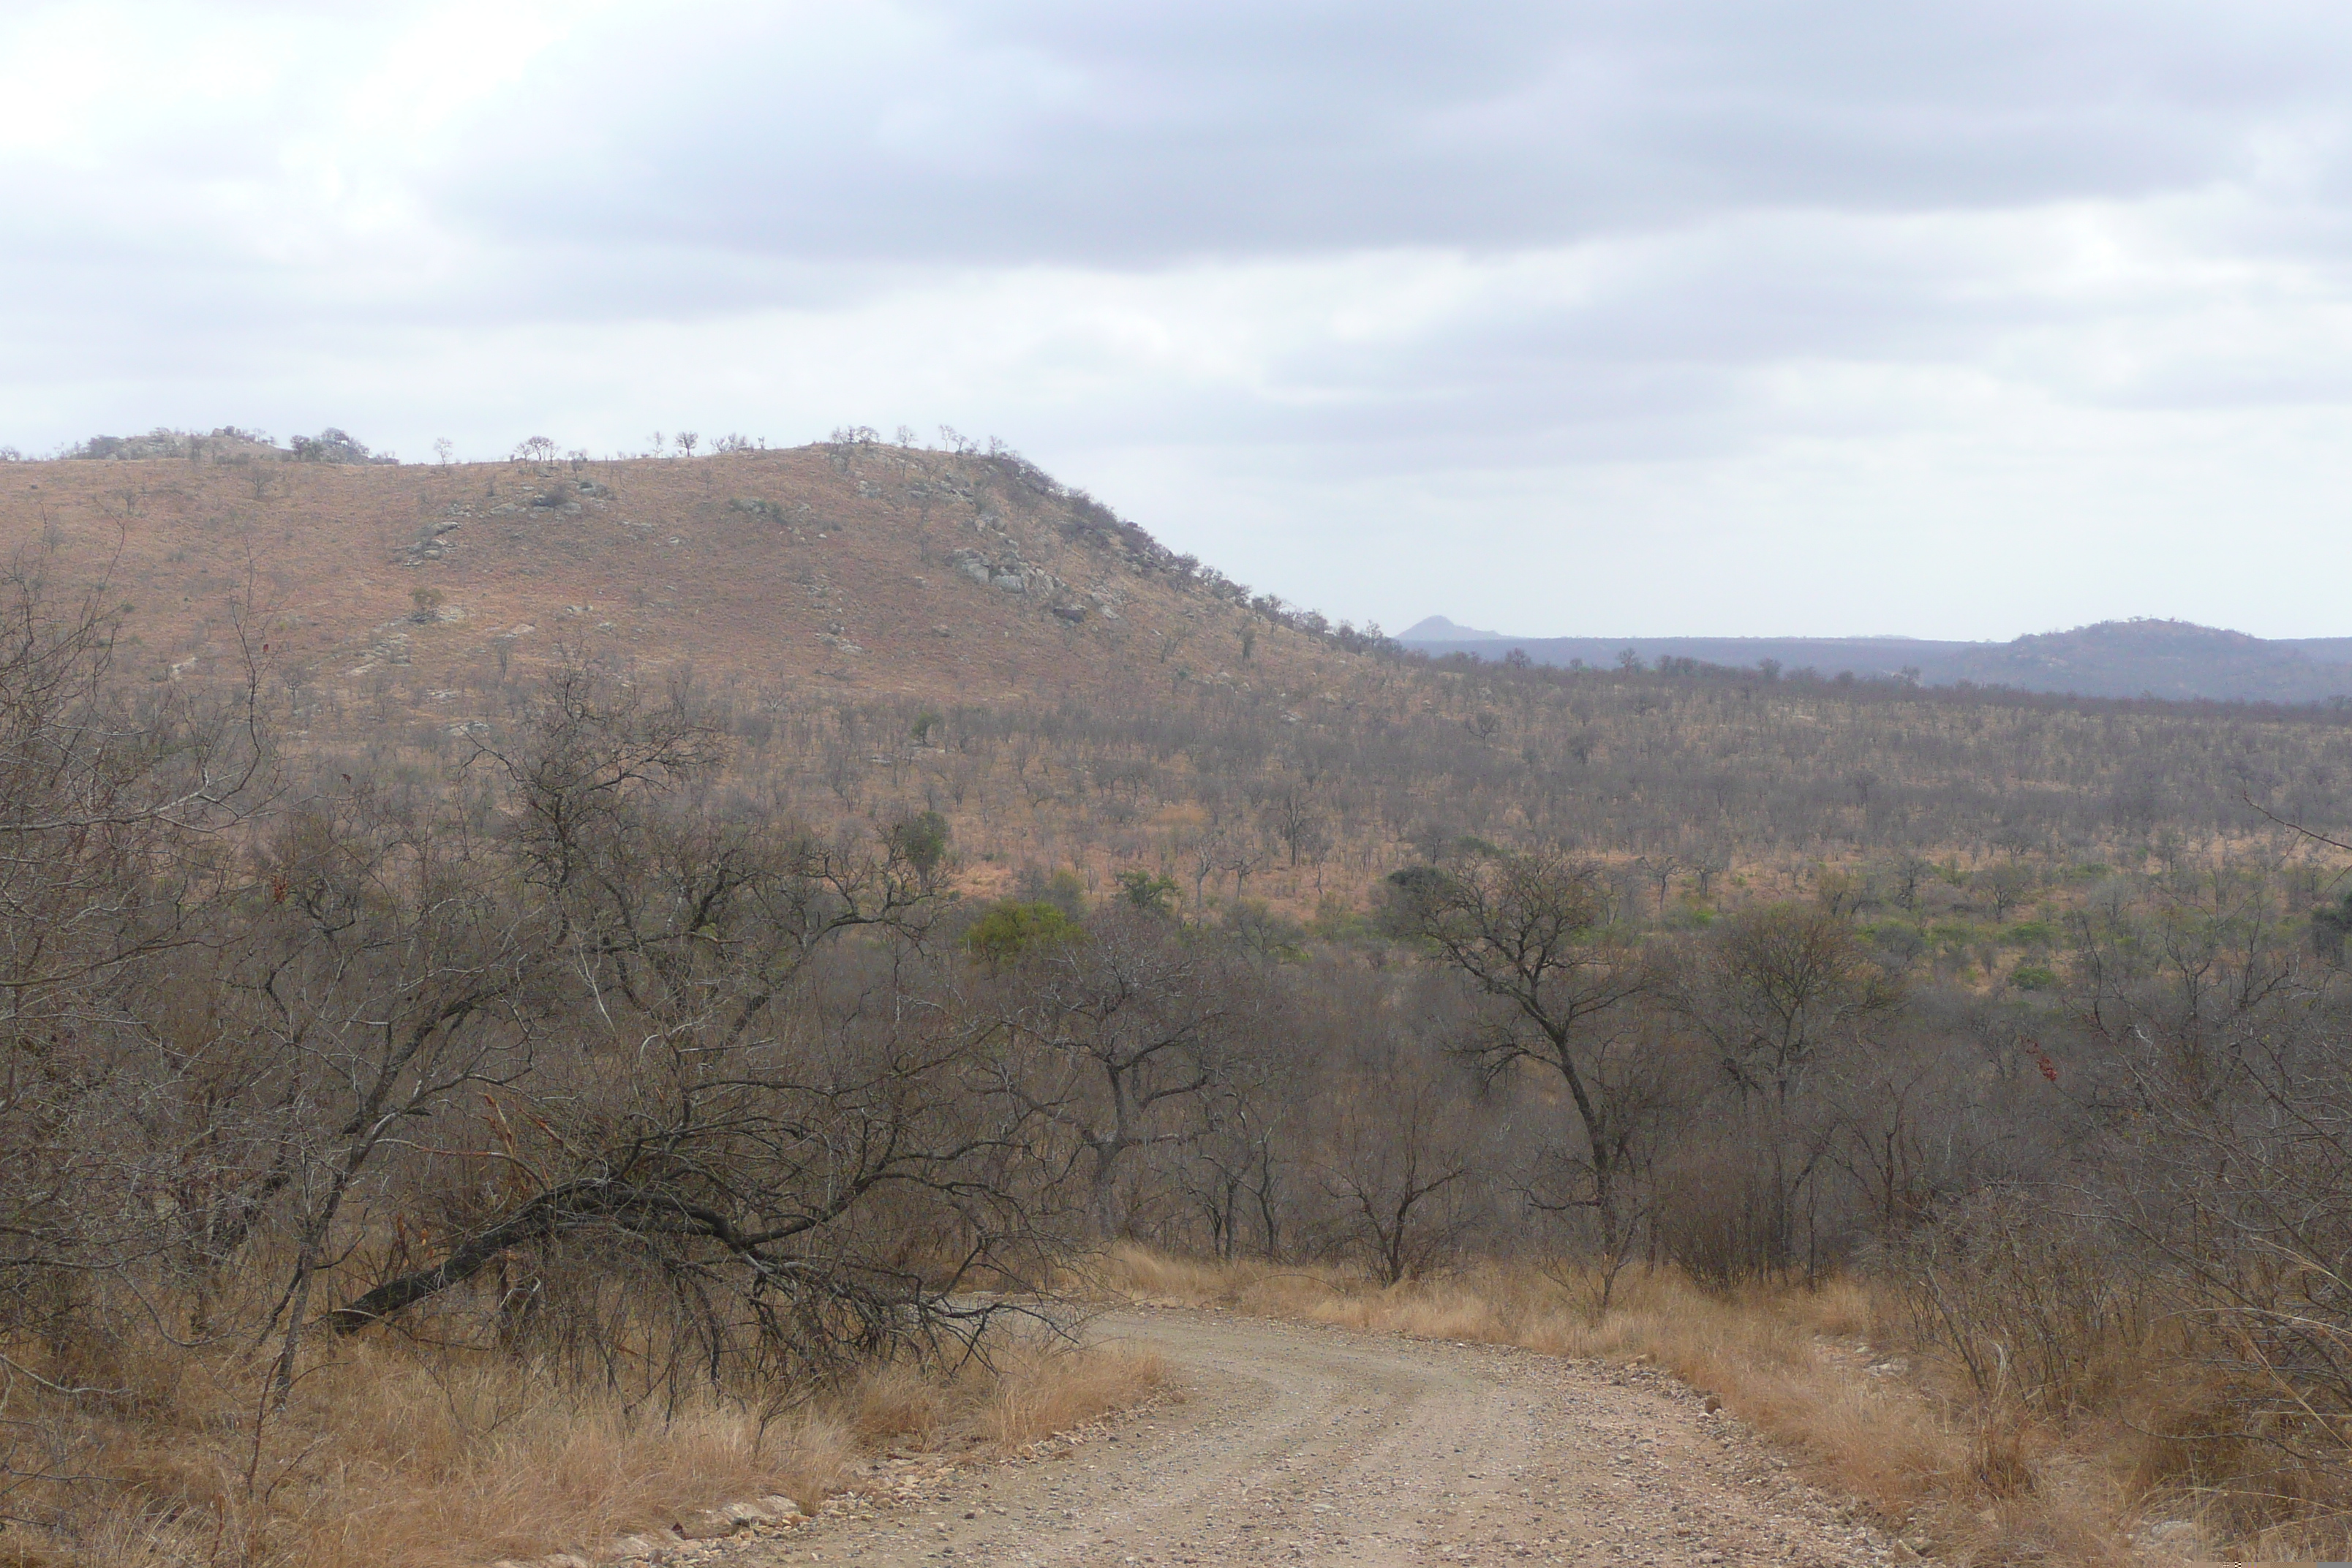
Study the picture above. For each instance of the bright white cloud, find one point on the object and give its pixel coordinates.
(1690, 317)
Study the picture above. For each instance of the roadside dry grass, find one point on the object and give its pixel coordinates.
(389, 1458)
(1027, 1390)
(1832, 1373)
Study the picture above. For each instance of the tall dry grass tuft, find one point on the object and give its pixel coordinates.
(1024, 1390)
(1040, 1390)
(401, 1461)
(396, 1455)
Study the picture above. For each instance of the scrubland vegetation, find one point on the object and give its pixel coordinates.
(393, 1173)
(420, 1132)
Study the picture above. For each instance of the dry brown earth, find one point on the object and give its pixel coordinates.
(1301, 1444)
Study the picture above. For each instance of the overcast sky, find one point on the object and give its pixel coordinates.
(1567, 317)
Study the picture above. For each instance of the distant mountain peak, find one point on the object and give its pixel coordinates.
(1437, 629)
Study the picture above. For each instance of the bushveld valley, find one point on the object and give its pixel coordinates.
(541, 997)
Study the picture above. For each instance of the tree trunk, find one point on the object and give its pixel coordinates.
(1103, 1192)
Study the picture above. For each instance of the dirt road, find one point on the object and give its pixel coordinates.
(1308, 1445)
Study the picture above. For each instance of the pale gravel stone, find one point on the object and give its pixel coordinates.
(708, 1524)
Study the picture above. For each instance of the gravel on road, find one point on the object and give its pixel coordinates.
(1295, 1444)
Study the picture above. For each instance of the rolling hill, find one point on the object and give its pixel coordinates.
(858, 569)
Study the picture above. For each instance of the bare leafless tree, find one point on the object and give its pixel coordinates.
(1398, 1144)
(1531, 930)
(1115, 1038)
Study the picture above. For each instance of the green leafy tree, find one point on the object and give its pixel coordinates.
(1152, 894)
(1012, 928)
(922, 839)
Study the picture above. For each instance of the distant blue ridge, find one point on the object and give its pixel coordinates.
(2162, 658)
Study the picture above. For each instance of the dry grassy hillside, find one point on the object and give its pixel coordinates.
(862, 569)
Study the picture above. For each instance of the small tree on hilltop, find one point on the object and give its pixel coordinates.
(330, 446)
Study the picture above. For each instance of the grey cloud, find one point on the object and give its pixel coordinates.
(1129, 136)
(1278, 278)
